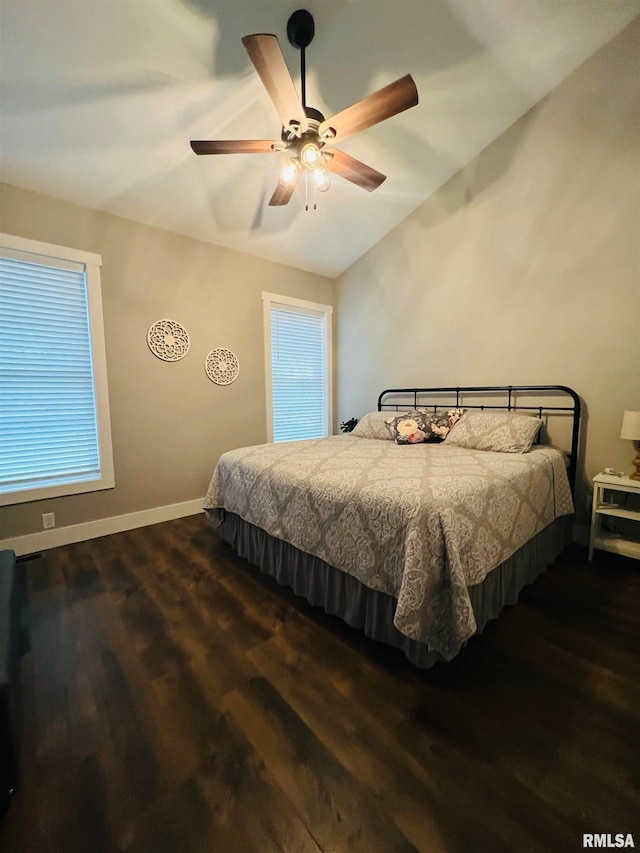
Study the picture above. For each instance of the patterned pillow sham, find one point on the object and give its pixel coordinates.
(373, 425)
(505, 432)
(420, 426)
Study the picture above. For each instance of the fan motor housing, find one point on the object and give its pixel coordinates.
(315, 119)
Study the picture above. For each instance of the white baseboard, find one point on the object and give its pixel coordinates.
(46, 539)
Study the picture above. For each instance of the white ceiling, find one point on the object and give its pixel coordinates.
(100, 98)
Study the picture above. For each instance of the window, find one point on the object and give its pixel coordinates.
(297, 336)
(55, 434)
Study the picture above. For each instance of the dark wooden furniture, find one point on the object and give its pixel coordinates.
(9, 664)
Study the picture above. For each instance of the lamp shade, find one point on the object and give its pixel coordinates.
(631, 426)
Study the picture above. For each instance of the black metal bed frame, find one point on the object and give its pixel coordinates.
(511, 404)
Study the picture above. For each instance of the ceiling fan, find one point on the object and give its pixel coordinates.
(307, 138)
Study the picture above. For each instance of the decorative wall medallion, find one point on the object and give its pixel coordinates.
(222, 366)
(168, 340)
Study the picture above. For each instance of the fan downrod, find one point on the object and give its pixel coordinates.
(301, 29)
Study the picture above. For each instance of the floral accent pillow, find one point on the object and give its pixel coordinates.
(505, 432)
(410, 428)
(373, 425)
(441, 423)
(421, 426)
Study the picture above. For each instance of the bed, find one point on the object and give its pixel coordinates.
(419, 546)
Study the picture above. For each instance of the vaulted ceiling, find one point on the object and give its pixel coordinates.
(100, 98)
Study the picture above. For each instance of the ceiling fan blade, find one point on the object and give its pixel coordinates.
(235, 146)
(264, 51)
(381, 105)
(282, 195)
(354, 170)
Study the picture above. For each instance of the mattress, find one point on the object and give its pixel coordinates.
(420, 523)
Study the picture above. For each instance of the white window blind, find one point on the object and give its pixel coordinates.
(49, 425)
(298, 354)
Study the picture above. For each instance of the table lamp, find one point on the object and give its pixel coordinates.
(631, 430)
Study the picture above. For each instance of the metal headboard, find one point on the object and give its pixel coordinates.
(460, 397)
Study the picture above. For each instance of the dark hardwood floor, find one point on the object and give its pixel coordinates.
(175, 700)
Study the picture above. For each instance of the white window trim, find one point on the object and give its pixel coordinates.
(273, 300)
(92, 263)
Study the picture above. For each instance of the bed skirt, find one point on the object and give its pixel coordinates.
(372, 611)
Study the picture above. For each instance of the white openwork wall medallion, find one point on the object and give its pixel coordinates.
(168, 340)
(222, 366)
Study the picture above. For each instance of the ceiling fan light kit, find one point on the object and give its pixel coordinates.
(306, 135)
(288, 173)
(321, 180)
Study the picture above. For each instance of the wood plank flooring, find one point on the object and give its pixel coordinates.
(176, 700)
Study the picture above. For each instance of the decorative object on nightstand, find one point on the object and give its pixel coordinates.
(604, 505)
(631, 430)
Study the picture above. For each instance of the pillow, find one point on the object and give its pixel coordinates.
(373, 425)
(440, 423)
(506, 432)
(409, 428)
(420, 426)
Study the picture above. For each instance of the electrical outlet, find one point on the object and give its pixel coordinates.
(48, 520)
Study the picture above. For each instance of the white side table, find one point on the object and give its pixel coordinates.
(605, 502)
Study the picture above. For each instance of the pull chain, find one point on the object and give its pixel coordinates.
(306, 192)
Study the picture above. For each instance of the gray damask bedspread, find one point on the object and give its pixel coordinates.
(420, 522)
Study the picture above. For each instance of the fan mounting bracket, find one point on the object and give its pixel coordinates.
(301, 29)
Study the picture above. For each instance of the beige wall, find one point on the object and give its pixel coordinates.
(170, 423)
(523, 269)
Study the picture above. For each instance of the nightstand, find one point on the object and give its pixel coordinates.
(605, 502)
